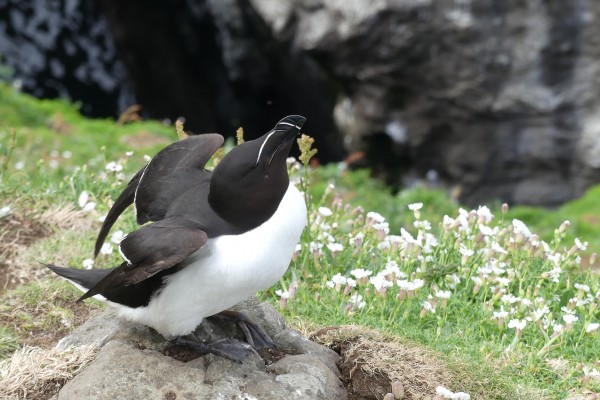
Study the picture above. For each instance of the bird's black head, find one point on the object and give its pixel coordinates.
(248, 184)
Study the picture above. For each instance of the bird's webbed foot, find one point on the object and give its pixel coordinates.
(255, 335)
(229, 348)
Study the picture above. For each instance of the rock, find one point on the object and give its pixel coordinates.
(132, 363)
(322, 381)
(122, 370)
(293, 342)
(501, 101)
(498, 99)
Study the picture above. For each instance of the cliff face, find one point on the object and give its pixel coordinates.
(499, 98)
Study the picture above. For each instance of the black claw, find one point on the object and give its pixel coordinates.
(255, 335)
(229, 348)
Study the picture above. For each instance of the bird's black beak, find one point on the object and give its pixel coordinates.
(280, 138)
(291, 122)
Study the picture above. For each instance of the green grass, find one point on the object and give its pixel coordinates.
(57, 155)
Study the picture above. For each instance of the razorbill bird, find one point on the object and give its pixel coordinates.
(215, 237)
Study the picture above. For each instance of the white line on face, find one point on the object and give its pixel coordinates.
(263, 145)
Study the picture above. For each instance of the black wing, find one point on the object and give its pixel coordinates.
(164, 178)
(149, 250)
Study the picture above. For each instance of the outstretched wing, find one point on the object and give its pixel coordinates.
(149, 250)
(164, 178)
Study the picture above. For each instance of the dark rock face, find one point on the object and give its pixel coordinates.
(62, 48)
(498, 98)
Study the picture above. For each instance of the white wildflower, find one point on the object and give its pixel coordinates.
(83, 198)
(465, 251)
(380, 282)
(583, 288)
(374, 217)
(4, 211)
(360, 273)
(557, 328)
(357, 300)
(325, 212)
(422, 224)
(486, 230)
(117, 237)
(382, 227)
(517, 324)
(569, 319)
(592, 327)
(415, 206)
(520, 228)
(338, 279)
(500, 314)
(591, 373)
(484, 214)
(106, 249)
(448, 394)
(113, 167)
(284, 294)
(427, 306)
(88, 263)
(443, 294)
(581, 246)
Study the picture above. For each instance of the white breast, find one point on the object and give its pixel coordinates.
(227, 270)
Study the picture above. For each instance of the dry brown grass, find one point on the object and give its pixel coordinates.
(371, 361)
(35, 373)
(20, 236)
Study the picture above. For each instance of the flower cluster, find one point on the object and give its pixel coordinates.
(521, 286)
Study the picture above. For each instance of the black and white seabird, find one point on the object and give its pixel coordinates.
(215, 237)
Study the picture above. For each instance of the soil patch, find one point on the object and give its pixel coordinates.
(43, 320)
(17, 232)
(370, 362)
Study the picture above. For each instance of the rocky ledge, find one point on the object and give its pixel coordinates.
(134, 362)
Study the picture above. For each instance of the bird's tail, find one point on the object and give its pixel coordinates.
(83, 279)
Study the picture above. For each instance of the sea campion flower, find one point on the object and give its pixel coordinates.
(114, 167)
(106, 249)
(465, 253)
(517, 324)
(374, 218)
(416, 209)
(84, 202)
(521, 229)
(449, 394)
(284, 296)
(569, 319)
(592, 327)
(325, 212)
(500, 316)
(88, 263)
(590, 375)
(484, 215)
(357, 300)
(117, 237)
(361, 275)
(381, 284)
(444, 295)
(427, 307)
(335, 248)
(337, 281)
